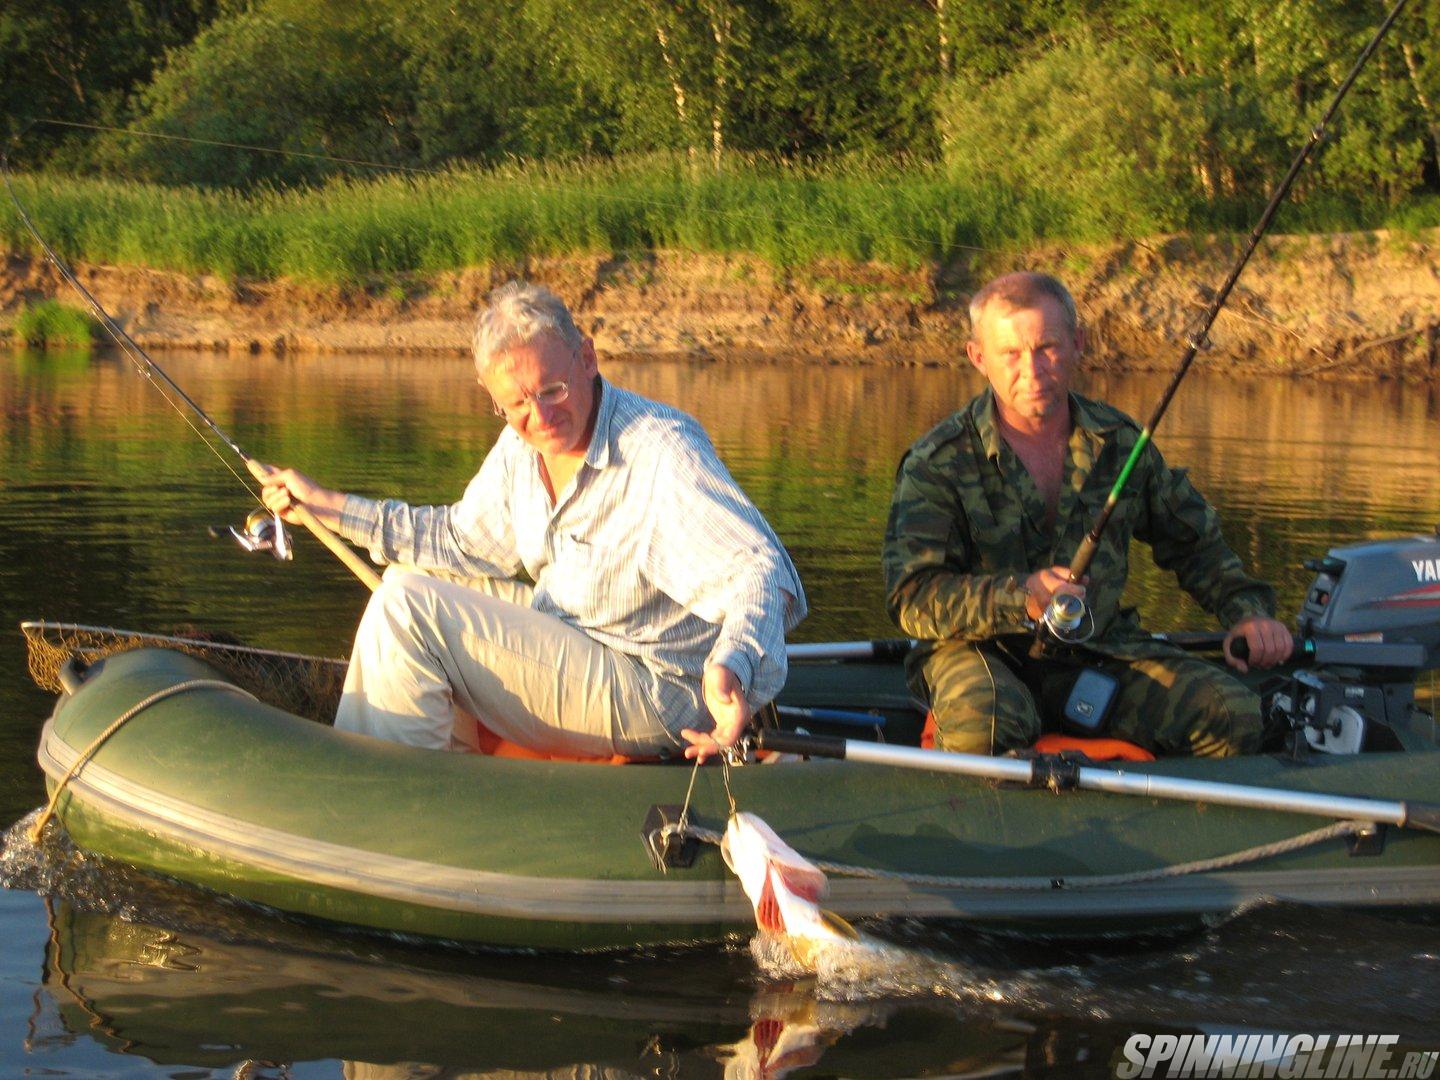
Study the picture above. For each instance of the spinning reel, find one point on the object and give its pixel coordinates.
(263, 531)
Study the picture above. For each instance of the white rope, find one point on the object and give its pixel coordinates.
(1085, 881)
(124, 718)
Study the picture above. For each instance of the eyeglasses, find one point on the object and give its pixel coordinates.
(549, 395)
(553, 394)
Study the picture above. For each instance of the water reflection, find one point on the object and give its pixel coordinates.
(259, 992)
(108, 493)
(280, 995)
(107, 497)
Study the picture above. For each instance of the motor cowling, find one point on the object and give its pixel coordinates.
(1371, 623)
(1382, 591)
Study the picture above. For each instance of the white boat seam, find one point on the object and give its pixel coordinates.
(671, 900)
(389, 876)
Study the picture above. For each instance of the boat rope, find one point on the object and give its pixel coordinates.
(124, 718)
(1082, 881)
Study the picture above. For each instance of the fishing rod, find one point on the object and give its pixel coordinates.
(150, 370)
(1085, 553)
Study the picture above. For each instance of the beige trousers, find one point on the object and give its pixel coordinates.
(433, 654)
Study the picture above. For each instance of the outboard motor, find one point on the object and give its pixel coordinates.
(1370, 623)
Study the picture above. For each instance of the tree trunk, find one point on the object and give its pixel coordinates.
(720, 29)
(676, 87)
(1432, 123)
(942, 41)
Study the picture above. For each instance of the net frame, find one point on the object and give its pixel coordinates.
(298, 683)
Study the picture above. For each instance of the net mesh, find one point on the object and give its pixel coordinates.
(308, 686)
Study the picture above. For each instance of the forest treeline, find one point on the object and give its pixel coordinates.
(1101, 117)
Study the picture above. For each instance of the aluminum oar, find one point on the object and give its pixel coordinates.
(881, 649)
(1413, 815)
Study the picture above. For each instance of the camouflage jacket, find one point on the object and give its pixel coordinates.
(967, 526)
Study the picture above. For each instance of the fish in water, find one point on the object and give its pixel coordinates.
(785, 889)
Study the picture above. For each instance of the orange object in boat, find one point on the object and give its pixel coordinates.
(1094, 749)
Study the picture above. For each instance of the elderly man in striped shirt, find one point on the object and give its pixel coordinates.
(661, 598)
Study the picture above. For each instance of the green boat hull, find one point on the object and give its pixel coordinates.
(216, 789)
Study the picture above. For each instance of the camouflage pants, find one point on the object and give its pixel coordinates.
(991, 697)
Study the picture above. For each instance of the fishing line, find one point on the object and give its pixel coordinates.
(1197, 340)
(477, 173)
(147, 367)
(241, 146)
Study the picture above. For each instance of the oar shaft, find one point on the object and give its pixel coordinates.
(1117, 782)
(1111, 781)
(882, 649)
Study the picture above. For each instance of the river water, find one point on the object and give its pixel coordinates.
(107, 495)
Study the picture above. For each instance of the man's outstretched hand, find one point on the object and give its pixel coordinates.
(728, 708)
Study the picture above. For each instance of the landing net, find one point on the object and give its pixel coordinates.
(308, 686)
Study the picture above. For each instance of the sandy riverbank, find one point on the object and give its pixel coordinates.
(1363, 304)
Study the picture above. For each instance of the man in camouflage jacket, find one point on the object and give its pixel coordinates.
(989, 508)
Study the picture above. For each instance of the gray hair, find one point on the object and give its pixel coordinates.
(516, 315)
(1022, 290)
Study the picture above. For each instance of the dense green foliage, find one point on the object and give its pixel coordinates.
(791, 128)
(81, 61)
(351, 231)
(52, 323)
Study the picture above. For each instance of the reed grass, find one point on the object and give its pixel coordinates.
(50, 322)
(356, 229)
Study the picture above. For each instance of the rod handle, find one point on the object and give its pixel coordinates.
(1086, 551)
(341, 550)
(790, 742)
(849, 717)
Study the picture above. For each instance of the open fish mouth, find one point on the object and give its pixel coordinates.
(784, 887)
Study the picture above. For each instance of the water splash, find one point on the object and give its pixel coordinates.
(1299, 966)
(57, 869)
(53, 866)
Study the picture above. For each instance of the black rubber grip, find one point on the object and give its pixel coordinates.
(1300, 651)
(789, 742)
(892, 648)
(1423, 816)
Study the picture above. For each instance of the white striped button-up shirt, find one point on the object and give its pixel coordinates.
(653, 550)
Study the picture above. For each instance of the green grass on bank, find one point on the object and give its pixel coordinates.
(352, 230)
(50, 323)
